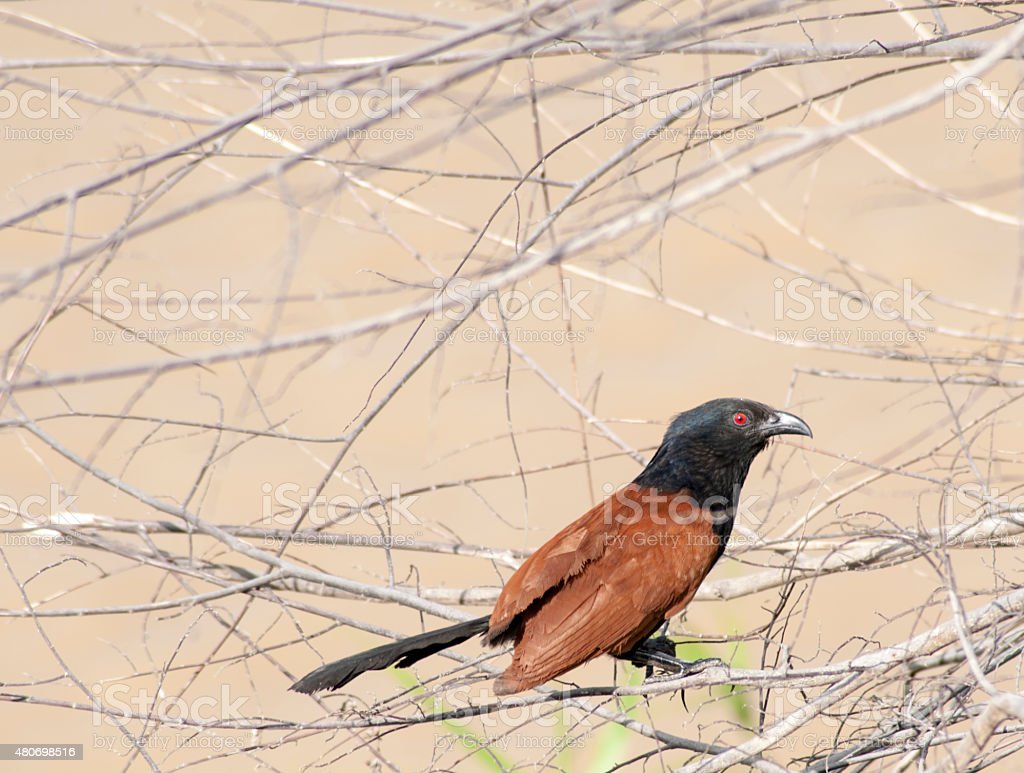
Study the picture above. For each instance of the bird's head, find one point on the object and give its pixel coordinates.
(708, 449)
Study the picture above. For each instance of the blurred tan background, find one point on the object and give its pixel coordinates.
(489, 445)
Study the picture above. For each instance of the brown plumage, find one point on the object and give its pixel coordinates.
(608, 580)
(603, 584)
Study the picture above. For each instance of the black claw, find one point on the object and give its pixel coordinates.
(659, 652)
(696, 666)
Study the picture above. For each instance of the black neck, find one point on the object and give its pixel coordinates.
(712, 479)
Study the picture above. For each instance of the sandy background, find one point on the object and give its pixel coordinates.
(669, 314)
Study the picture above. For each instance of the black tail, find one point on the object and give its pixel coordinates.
(404, 653)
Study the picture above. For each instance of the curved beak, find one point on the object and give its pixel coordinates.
(782, 423)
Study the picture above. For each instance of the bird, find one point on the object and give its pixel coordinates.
(609, 580)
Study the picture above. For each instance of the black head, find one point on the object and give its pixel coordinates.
(708, 449)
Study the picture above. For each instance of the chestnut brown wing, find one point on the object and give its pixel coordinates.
(603, 584)
(550, 566)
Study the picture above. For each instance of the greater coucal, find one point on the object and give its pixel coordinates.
(606, 582)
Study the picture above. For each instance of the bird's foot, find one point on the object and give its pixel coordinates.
(680, 668)
(656, 652)
(659, 653)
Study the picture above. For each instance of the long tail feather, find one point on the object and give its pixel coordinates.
(402, 653)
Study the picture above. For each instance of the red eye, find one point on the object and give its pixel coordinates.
(740, 419)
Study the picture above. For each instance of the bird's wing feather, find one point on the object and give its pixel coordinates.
(550, 566)
(650, 569)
